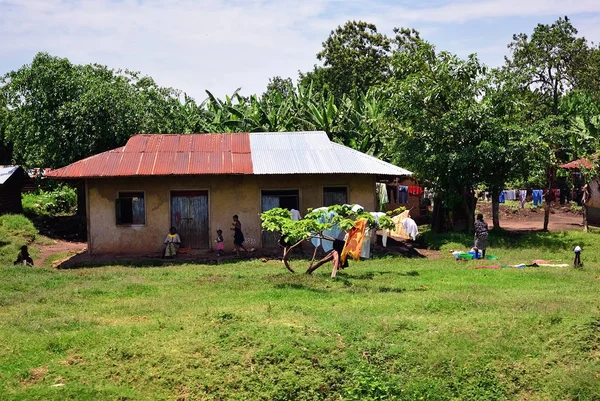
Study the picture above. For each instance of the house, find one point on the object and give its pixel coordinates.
(578, 169)
(198, 182)
(11, 181)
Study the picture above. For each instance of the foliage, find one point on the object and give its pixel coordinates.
(395, 328)
(59, 201)
(454, 122)
(61, 112)
(313, 224)
(355, 58)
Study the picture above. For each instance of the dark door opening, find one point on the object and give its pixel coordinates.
(189, 215)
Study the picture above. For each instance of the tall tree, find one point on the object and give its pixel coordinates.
(355, 58)
(549, 64)
(436, 119)
(60, 112)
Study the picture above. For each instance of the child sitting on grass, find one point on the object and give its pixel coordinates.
(23, 257)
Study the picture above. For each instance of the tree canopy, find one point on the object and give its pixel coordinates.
(456, 123)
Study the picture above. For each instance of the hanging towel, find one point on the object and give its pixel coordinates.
(399, 233)
(415, 191)
(522, 197)
(402, 194)
(354, 242)
(382, 195)
(556, 194)
(410, 227)
(502, 197)
(537, 196)
(510, 194)
(365, 252)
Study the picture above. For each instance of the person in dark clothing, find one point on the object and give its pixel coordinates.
(23, 257)
(481, 236)
(238, 236)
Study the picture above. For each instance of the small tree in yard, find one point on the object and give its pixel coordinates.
(295, 232)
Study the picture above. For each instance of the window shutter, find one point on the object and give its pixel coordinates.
(118, 211)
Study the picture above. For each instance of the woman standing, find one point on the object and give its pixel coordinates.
(481, 236)
(238, 236)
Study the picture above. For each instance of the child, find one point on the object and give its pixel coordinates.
(238, 236)
(220, 244)
(481, 236)
(23, 257)
(172, 243)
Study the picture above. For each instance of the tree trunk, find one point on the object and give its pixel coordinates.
(321, 262)
(286, 252)
(584, 209)
(496, 208)
(438, 218)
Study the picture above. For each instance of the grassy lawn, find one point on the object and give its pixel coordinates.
(389, 328)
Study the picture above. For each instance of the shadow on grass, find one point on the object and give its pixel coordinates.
(500, 238)
(81, 261)
(299, 286)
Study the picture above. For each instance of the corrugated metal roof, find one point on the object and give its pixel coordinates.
(167, 154)
(312, 153)
(6, 172)
(577, 164)
(255, 153)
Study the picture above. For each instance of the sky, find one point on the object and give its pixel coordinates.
(222, 45)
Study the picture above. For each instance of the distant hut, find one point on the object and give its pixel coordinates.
(11, 181)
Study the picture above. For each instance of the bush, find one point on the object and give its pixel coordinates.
(62, 200)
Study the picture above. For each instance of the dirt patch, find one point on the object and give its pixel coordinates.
(65, 248)
(35, 375)
(562, 218)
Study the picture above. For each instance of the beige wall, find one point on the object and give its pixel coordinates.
(227, 195)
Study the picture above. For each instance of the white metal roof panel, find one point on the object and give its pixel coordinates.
(312, 153)
(6, 173)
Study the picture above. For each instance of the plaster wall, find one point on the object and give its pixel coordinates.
(227, 195)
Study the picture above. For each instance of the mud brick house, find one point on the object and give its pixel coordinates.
(197, 182)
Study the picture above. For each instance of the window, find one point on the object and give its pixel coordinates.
(335, 196)
(130, 208)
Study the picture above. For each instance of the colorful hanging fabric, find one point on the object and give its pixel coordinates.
(415, 191)
(354, 242)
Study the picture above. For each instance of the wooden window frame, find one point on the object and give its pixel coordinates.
(117, 205)
(345, 187)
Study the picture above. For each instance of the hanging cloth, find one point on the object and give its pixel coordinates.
(382, 195)
(399, 233)
(415, 191)
(354, 242)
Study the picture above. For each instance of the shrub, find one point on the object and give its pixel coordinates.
(61, 200)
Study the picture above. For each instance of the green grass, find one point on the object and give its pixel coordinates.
(15, 231)
(389, 328)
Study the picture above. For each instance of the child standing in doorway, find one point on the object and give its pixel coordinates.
(220, 244)
(172, 243)
(238, 236)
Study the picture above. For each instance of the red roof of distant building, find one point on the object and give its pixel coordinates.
(578, 164)
(167, 154)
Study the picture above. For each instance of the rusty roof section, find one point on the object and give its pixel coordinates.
(167, 154)
(578, 164)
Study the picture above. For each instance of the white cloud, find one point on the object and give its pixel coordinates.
(221, 45)
(463, 11)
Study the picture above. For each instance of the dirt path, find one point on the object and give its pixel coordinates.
(561, 218)
(64, 248)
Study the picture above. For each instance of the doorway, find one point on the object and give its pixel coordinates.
(189, 215)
